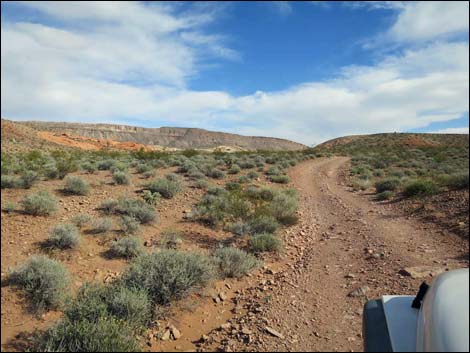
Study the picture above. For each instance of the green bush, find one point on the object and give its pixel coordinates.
(168, 274)
(76, 186)
(231, 186)
(10, 182)
(252, 175)
(137, 209)
(273, 171)
(127, 247)
(384, 195)
(234, 169)
(65, 166)
(263, 224)
(89, 167)
(105, 335)
(216, 174)
(239, 228)
(130, 304)
(456, 181)
(80, 220)
(109, 206)
(420, 188)
(280, 179)
(265, 243)
(143, 168)
(233, 262)
(390, 184)
(149, 174)
(105, 165)
(167, 188)
(100, 225)
(44, 281)
(10, 207)
(150, 198)
(39, 204)
(201, 184)
(64, 236)
(284, 205)
(28, 178)
(129, 225)
(121, 178)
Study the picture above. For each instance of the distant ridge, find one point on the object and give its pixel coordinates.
(174, 137)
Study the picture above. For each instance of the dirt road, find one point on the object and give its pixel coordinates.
(345, 243)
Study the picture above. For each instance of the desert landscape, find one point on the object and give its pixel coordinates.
(253, 250)
(231, 176)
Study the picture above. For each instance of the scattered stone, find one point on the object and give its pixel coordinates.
(359, 292)
(166, 335)
(222, 296)
(175, 332)
(421, 271)
(273, 332)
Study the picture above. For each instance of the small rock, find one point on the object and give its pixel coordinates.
(274, 332)
(359, 292)
(166, 335)
(175, 332)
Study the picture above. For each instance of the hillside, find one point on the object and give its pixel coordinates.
(182, 138)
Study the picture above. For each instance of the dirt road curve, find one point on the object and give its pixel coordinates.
(344, 242)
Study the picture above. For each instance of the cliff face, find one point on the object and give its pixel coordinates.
(165, 136)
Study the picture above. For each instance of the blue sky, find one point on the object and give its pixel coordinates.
(306, 71)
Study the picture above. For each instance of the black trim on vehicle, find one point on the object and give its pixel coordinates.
(374, 328)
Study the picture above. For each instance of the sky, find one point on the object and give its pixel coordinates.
(306, 71)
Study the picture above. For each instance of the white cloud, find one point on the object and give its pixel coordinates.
(283, 7)
(424, 20)
(122, 69)
(452, 130)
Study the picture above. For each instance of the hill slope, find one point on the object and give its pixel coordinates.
(165, 136)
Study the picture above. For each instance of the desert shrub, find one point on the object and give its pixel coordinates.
(149, 174)
(89, 167)
(64, 236)
(129, 225)
(10, 182)
(233, 262)
(171, 239)
(105, 165)
(109, 206)
(39, 204)
(234, 169)
(239, 228)
(252, 175)
(76, 186)
(246, 164)
(126, 247)
(150, 198)
(420, 187)
(384, 195)
(273, 171)
(100, 225)
(105, 335)
(284, 204)
(281, 179)
(265, 243)
(165, 187)
(201, 184)
(216, 173)
(28, 178)
(119, 166)
(243, 179)
(50, 171)
(10, 207)
(360, 184)
(121, 178)
(130, 304)
(65, 166)
(44, 281)
(187, 167)
(168, 274)
(143, 168)
(231, 186)
(173, 177)
(80, 220)
(456, 181)
(390, 184)
(195, 175)
(263, 224)
(136, 208)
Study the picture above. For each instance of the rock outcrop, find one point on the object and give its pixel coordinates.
(184, 138)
